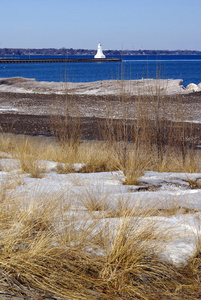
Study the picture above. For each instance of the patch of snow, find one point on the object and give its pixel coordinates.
(192, 87)
(8, 109)
(8, 164)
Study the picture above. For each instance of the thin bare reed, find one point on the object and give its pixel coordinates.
(65, 124)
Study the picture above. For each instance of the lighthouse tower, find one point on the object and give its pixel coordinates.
(99, 53)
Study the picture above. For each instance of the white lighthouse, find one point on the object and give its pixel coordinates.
(99, 53)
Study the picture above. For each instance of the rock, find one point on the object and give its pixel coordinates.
(192, 87)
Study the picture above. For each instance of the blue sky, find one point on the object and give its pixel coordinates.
(125, 24)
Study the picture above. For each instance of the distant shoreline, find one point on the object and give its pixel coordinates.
(91, 52)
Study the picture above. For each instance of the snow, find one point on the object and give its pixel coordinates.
(171, 191)
(8, 109)
(105, 87)
(193, 87)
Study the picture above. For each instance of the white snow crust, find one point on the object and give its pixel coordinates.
(105, 87)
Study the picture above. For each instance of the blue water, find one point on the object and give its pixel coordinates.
(186, 67)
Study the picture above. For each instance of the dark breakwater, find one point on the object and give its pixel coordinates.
(56, 60)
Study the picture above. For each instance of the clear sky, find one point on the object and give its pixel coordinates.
(117, 24)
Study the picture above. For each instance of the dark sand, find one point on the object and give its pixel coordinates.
(33, 111)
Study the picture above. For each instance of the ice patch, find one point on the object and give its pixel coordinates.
(105, 87)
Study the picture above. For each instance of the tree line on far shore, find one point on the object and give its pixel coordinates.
(71, 51)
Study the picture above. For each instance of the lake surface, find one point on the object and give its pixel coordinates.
(186, 67)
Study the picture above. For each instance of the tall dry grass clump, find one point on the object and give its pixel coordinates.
(35, 260)
(150, 132)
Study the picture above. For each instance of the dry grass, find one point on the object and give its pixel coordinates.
(96, 157)
(131, 260)
(44, 252)
(194, 184)
(95, 200)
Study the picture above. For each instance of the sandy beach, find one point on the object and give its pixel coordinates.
(26, 106)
